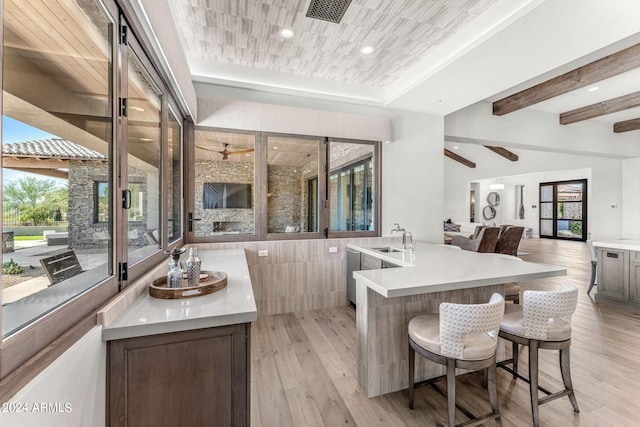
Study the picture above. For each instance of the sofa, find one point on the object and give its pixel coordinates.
(464, 229)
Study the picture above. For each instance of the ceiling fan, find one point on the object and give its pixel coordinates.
(225, 152)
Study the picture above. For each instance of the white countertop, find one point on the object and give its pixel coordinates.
(231, 305)
(435, 268)
(624, 244)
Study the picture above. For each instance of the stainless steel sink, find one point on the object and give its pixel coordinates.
(387, 249)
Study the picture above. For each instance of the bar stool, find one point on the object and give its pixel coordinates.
(542, 321)
(594, 265)
(462, 336)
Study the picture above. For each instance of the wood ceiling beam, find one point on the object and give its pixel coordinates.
(33, 163)
(503, 152)
(626, 126)
(54, 173)
(598, 109)
(460, 159)
(603, 68)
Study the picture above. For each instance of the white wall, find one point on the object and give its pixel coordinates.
(555, 152)
(631, 198)
(604, 186)
(412, 175)
(72, 388)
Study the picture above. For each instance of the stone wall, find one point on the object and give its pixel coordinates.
(84, 232)
(285, 194)
(231, 220)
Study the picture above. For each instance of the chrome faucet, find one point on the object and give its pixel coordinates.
(397, 228)
(405, 234)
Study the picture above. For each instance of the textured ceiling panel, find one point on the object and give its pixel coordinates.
(247, 32)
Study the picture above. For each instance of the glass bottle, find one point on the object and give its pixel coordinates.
(193, 267)
(174, 276)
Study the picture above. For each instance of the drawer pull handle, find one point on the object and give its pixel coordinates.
(612, 255)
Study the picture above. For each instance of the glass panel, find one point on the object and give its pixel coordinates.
(144, 137)
(312, 208)
(569, 210)
(546, 210)
(292, 194)
(351, 189)
(56, 144)
(570, 229)
(546, 193)
(174, 174)
(546, 227)
(569, 192)
(224, 183)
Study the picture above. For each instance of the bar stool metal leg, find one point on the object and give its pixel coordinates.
(533, 381)
(451, 391)
(412, 367)
(493, 392)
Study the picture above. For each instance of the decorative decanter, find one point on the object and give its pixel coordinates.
(193, 267)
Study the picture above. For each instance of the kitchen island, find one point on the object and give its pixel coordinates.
(619, 272)
(185, 361)
(388, 298)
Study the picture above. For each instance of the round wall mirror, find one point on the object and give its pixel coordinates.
(488, 212)
(493, 198)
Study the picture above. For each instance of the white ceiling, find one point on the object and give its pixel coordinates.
(432, 56)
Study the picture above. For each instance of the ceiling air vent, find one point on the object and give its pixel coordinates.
(328, 10)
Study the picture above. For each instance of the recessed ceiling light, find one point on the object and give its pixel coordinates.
(287, 33)
(593, 89)
(366, 50)
(455, 147)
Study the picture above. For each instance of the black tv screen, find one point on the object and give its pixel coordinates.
(226, 195)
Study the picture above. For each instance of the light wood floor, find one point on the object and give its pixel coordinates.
(303, 370)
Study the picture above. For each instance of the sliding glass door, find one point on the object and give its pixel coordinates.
(563, 210)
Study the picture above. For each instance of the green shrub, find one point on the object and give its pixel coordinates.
(576, 227)
(11, 267)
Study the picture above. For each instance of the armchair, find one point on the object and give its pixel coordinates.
(484, 241)
(509, 240)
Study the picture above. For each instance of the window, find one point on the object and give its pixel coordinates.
(292, 204)
(62, 192)
(101, 202)
(351, 187)
(224, 189)
(563, 210)
(174, 176)
(283, 186)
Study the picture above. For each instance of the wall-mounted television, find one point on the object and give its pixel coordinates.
(226, 195)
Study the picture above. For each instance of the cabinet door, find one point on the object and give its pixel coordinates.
(368, 262)
(634, 276)
(193, 378)
(613, 273)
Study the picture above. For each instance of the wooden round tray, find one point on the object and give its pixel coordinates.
(214, 281)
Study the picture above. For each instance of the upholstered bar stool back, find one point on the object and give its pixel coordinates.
(462, 336)
(542, 321)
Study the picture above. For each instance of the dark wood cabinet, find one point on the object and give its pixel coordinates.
(191, 378)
